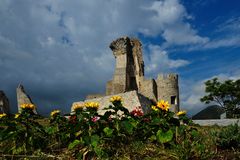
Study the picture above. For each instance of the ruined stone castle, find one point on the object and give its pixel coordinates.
(129, 75)
(128, 82)
(4, 103)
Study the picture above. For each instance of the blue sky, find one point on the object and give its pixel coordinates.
(59, 49)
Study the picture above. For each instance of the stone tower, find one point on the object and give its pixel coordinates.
(129, 69)
(138, 61)
(129, 75)
(168, 90)
(23, 98)
(4, 103)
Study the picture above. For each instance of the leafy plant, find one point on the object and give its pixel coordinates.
(22, 134)
(191, 143)
(228, 137)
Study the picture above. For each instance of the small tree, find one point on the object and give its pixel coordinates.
(226, 94)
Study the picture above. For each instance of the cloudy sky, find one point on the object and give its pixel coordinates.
(59, 49)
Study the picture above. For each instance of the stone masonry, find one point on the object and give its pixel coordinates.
(4, 103)
(23, 98)
(129, 66)
(168, 90)
(129, 75)
(131, 100)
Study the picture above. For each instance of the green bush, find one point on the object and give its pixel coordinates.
(229, 137)
(22, 134)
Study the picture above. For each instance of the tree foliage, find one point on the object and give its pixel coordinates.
(226, 94)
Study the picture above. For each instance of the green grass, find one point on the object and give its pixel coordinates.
(138, 150)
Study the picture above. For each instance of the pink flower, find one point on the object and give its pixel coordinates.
(137, 112)
(95, 119)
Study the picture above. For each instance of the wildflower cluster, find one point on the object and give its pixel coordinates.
(163, 105)
(77, 106)
(3, 115)
(115, 99)
(28, 106)
(94, 105)
(17, 115)
(137, 112)
(54, 113)
(181, 113)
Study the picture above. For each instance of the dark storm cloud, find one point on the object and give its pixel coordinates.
(59, 49)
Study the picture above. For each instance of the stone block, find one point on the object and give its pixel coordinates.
(23, 98)
(149, 89)
(131, 100)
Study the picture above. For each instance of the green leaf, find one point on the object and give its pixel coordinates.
(153, 138)
(94, 140)
(74, 144)
(78, 133)
(108, 131)
(98, 151)
(19, 150)
(134, 122)
(128, 127)
(164, 137)
(157, 121)
(51, 130)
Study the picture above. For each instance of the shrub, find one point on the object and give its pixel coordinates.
(22, 134)
(228, 137)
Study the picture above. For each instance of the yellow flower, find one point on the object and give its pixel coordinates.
(17, 115)
(163, 105)
(28, 106)
(55, 112)
(116, 99)
(3, 115)
(180, 113)
(154, 108)
(91, 105)
(77, 106)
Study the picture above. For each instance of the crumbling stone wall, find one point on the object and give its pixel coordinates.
(124, 78)
(148, 88)
(120, 48)
(23, 98)
(138, 61)
(4, 103)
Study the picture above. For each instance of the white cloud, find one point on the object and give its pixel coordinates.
(169, 21)
(159, 61)
(232, 24)
(182, 34)
(226, 36)
(230, 41)
(191, 92)
(226, 42)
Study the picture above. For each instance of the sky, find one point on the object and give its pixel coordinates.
(59, 50)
